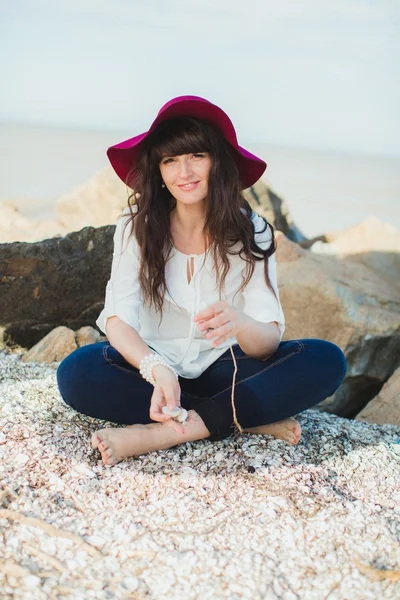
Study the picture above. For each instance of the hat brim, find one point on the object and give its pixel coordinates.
(124, 155)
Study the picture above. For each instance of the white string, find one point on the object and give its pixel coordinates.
(233, 391)
(240, 428)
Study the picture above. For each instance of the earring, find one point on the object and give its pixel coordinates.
(163, 185)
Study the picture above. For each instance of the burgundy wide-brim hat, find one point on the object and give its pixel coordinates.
(123, 156)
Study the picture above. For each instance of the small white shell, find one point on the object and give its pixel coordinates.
(178, 413)
(172, 412)
(182, 415)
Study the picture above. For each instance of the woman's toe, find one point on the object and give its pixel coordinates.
(96, 440)
(109, 459)
(296, 429)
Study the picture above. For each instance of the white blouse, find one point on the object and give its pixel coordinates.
(177, 339)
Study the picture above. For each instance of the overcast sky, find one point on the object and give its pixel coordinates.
(311, 73)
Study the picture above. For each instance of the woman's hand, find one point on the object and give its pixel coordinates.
(167, 392)
(222, 321)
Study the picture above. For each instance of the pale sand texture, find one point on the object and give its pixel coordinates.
(249, 518)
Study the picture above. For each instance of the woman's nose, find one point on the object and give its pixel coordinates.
(185, 169)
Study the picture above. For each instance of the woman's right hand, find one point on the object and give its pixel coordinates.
(167, 392)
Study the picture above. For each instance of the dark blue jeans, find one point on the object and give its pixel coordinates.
(97, 381)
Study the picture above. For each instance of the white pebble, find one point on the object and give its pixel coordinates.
(31, 581)
(82, 469)
(96, 540)
(21, 459)
(130, 583)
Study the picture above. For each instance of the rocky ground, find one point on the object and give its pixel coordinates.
(249, 517)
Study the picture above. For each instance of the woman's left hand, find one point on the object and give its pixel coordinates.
(222, 321)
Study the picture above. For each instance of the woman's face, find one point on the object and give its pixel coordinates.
(186, 176)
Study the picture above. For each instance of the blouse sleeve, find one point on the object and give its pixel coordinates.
(123, 294)
(259, 302)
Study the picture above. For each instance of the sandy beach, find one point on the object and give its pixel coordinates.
(243, 518)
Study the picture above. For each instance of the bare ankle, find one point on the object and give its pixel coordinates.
(165, 437)
(194, 429)
(288, 429)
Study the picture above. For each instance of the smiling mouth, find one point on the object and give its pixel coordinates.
(188, 186)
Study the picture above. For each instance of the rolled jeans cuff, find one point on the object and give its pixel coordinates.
(219, 422)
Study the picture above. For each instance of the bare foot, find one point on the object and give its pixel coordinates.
(288, 430)
(115, 444)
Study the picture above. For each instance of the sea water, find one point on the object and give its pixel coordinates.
(324, 190)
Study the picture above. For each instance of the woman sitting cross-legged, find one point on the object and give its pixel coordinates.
(192, 310)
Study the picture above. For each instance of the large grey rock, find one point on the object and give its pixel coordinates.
(385, 407)
(372, 242)
(269, 205)
(349, 305)
(60, 281)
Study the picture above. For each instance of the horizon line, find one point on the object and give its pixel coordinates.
(90, 129)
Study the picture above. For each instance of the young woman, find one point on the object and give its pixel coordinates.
(192, 310)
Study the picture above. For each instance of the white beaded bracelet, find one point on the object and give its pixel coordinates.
(149, 362)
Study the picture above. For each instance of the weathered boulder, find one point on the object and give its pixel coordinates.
(59, 343)
(60, 281)
(15, 227)
(349, 305)
(269, 205)
(372, 242)
(95, 203)
(385, 407)
(54, 347)
(87, 335)
(11, 218)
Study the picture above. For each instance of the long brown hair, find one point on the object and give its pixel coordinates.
(225, 224)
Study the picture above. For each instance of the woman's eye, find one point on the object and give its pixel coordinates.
(166, 161)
